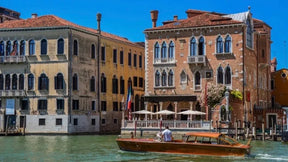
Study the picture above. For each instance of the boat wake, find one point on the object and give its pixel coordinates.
(271, 157)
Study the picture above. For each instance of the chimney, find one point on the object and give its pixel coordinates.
(175, 18)
(154, 17)
(98, 21)
(34, 15)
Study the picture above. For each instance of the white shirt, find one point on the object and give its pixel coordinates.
(167, 134)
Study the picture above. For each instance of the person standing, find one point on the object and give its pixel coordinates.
(167, 135)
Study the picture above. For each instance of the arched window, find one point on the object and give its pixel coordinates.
(43, 82)
(157, 78)
(8, 48)
(22, 48)
(197, 81)
(75, 82)
(114, 85)
(21, 82)
(122, 85)
(201, 46)
(164, 78)
(163, 50)
(220, 75)
(219, 45)
(1, 82)
(7, 82)
(92, 84)
(2, 48)
(60, 46)
(249, 33)
(59, 81)
(183, 77)
(14, 82)
(227, 75)
(156, 50)
(103, 82)
(15, 48)
(171, 50)
(193, 47)
(223, 113)
(227, 44)
(170, 78)
(93, 51)
(75, 47)
(43, 47)
(30, 81)
(31, 47)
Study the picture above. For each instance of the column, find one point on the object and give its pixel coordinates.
(191, 108)
(160, 106)
(175, 107)
(146, 107)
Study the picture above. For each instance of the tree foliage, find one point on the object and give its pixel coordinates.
(214, 94)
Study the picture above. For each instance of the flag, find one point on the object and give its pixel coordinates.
(14, 51)
(129, 99)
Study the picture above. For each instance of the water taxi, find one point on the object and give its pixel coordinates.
(197, 143)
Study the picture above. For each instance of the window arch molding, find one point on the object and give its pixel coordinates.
(22, 47)
(157, 80)
(103, 83)
(228, 48)
(164, 50)
(31, 47)
(21, 81)
(201, 45)
(75, 81)
(170, 78)
(44, 46)
(43, 82)
(31, 81)
(59, 81)
(171, 49)
(197, 80)
(220, 75)
(183, 77)
(2, 48)
(60, 46)
(228, 75)
(92, 84)
(75, 47)
(193, 46)
(219, 44)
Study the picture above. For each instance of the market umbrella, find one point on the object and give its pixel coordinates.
(142, 112)
(165, 112)
(192, 112)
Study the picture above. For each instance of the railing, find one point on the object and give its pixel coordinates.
(196, 59)
(12, 59)
(164, 60)
(164, 123)
(11, 93)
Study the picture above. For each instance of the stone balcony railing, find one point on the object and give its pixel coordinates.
(164, 60)
(12, 59)
(200, 59)
(12, 93)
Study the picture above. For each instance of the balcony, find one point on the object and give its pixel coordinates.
(164, 61)
(200, 59)
(12, 59)
(12, 93)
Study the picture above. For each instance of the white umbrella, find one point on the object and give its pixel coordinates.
(142, 112)
(191, 112)
(165, 112)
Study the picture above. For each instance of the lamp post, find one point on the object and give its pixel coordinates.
(227, 105)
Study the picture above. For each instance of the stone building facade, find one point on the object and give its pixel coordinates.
(183, 56)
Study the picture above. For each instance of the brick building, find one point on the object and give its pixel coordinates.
(7, 14)
(185, 55)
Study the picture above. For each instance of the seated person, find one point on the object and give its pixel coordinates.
(167, 135)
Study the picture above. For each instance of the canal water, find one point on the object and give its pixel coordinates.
(104, 148)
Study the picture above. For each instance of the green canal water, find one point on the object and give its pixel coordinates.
(104, 148)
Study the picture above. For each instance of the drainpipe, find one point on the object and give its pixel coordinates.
(69, 77)
(243, 69)
(98, 69)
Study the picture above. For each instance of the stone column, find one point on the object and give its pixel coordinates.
(175, 107)
(160, 106)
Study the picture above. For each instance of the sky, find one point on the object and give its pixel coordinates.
(129, 19)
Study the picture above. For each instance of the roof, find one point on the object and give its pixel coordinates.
(239, 16)
(202, 19)
(54, 21)
(204, 134)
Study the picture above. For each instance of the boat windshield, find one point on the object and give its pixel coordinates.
(227, 140)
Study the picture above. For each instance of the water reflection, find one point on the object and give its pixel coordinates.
(104, 148)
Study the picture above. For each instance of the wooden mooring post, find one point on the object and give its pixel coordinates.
(236, 130)
(263, 132)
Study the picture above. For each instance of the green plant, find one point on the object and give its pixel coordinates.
(237, 94)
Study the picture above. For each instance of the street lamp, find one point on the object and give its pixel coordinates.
(227, 105)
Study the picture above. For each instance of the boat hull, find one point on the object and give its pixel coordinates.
(177, 147)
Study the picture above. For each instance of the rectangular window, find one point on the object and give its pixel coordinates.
(75, 121)
(24, 104)
(93, 105)
(140, 61)
(60, 104)
(75, 104)
(140, 82)
(103, 53)
(135, 80)
(103, 105)
(103, 121)
(115, 121)
(42, 104)
(115, 56)
(121, 57)
(135, 60)
(58, 121)
(129, 59)
(122, 86)
(115, 106)
(93, 121)
(272, 84)
(41, 121)
(209, 74)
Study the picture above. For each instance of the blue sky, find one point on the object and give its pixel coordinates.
(130, 18)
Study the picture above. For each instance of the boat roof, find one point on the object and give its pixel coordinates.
(204, 134)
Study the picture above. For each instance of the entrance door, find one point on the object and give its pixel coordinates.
(271, 120)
